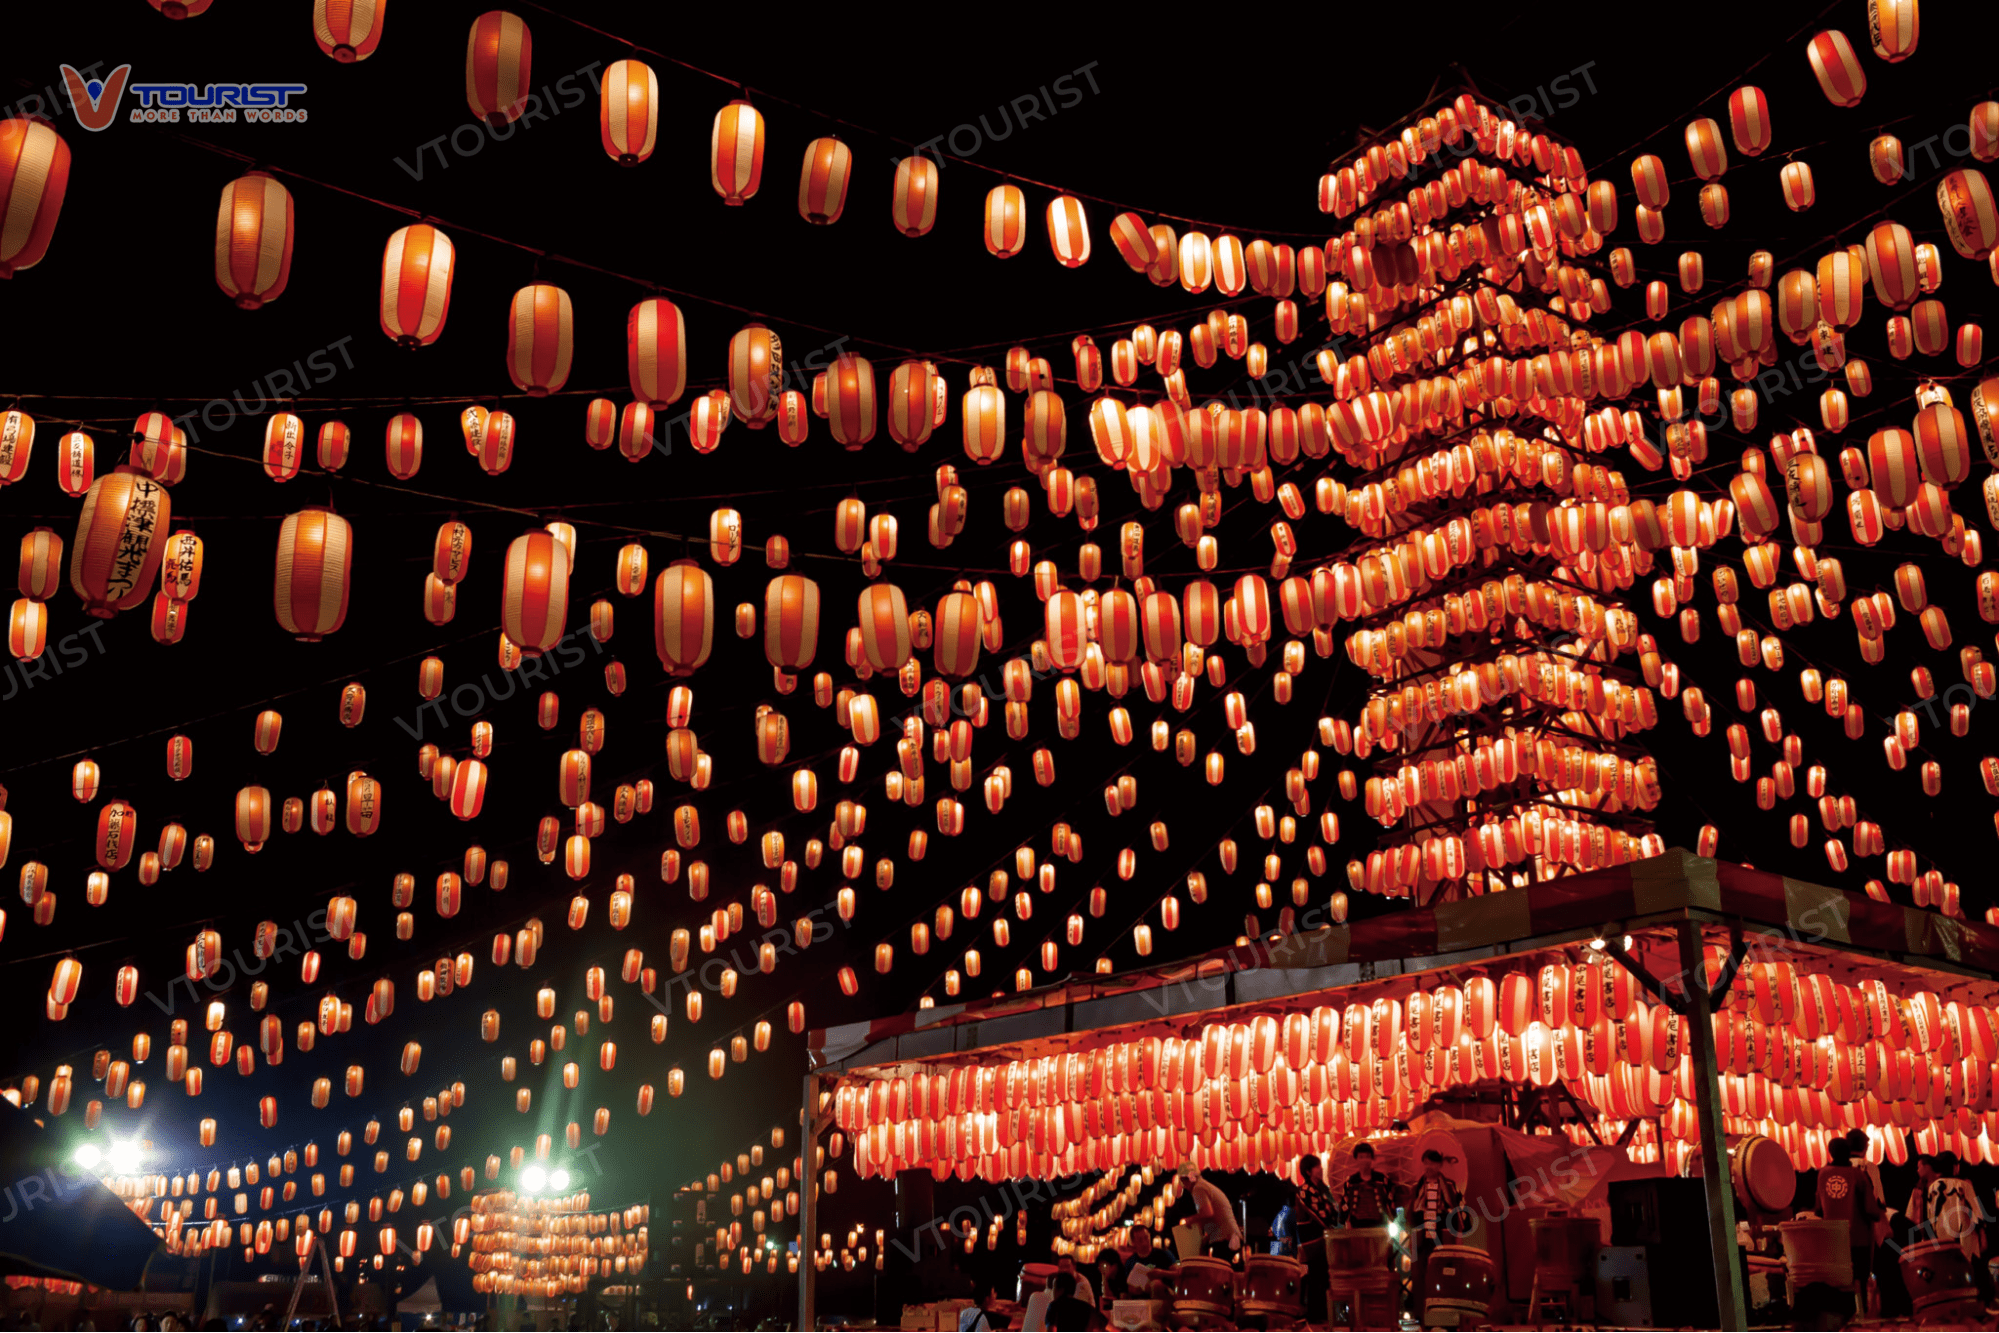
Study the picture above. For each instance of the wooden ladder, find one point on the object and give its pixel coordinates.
(318, 1251)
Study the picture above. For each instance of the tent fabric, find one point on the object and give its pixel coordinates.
(421, 1301)
(60, 1225)
(1675, 881)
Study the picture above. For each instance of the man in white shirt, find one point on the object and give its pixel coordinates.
(975, 1318)
(1212, 1211)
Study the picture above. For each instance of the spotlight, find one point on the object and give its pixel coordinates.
(124, 1157)
(533, 1179)
(558, 1179)
(88, 1157)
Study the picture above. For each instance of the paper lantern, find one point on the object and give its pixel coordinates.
(17, 444)
(1006, 221)
(1837, 68)
(334, 441)
(1748, 120)
(315, 562)
(534, 596)
(416, 284)
(736, 152)
(756, 375)
(253, 239)
(1891, 265)
(850, 400)
(822, 181)
(76, 463)
(655, 354)
(348, 30)
(120, 539)
(913, 387)
(914, 205)
(34, 175)
(1970, 219)
(884, 625)
(1892, 29)
(1068, 231)
(791, 622)
(499, 57)
(40, 570)
(683, 617)
(284, 445)
(541, 340)
(628, 111)
(984, 416)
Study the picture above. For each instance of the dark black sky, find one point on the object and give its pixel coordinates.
(1228, 117)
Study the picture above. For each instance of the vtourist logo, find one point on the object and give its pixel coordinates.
(96, 101)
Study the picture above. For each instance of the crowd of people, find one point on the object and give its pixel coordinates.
(1943, 1205)
(1082, 1297)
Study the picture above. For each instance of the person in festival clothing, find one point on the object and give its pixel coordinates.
(1313, 1211)
(1846, 1194)
(1435, 1199)
(1368, 1197)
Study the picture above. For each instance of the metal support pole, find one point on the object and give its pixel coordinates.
(1730, 1309)
(808, 1215)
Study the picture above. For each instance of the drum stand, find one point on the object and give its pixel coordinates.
(1568, 1297)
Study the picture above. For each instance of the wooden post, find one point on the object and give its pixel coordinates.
(1730, 1308)
(808, 1215)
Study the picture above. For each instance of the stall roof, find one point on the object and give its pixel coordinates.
(1543, 915)
(60, 1225)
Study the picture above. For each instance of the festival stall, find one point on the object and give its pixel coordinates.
(1811, 1011)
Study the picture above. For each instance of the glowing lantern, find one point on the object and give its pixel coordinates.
(1749, 120)
(416, 284)
(655, 353)
(17, 444)
(850, 399)
(822, 181)
(348, 30)
(540, 339)
(628, 111)
(736, 152)
(683, 617)
(498, 67)
(253, 240)
(1068, 231)
(756, 375)
(534, 598)
(914, 206)
(315, 561)
(1837, 68)
(34, 175)
(1006, 221)
(791, 622)
(120, 538)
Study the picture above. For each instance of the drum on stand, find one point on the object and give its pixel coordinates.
(1358, 1275)
(1817, 1250)
(1357, 1250)
(1203, 1290)
(1273, 1284)
(1759, 1171)
(1033, 1278)
(1457, 1283)
(1939, 1280)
